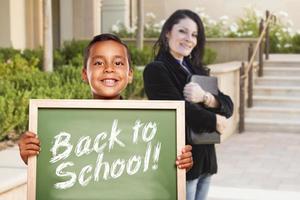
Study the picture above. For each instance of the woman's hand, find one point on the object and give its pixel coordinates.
(185, 160)
(193, 93)
(29, 145)
(222, 123)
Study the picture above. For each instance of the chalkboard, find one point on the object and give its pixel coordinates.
(106, 149)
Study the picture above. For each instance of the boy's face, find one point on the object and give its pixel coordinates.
(107, 70)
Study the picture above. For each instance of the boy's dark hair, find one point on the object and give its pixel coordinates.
(100, 38)
(162, 46)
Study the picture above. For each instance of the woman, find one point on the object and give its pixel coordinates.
(178, 54)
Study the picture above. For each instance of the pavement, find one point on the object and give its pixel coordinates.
(258, 166)
(13, 171)
(252, 166)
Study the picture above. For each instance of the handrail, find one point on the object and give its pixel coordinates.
(247, 71)
(250, 63)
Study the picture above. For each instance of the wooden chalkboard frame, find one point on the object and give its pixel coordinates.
(35, 104)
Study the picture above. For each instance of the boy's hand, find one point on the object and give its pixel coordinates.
(185, 160)
(29, 145)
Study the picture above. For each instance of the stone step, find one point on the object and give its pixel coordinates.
(284, 57)
(277, 81)
(282, 71)
(273, 113)
(294, 64)
(276, 99)
(13, 175)
(272, 125)
(273, 101)
(276, 91)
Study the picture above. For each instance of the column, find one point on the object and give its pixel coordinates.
(113, 11)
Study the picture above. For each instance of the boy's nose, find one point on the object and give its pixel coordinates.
(109, 68)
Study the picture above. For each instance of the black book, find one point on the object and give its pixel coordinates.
(209, 84)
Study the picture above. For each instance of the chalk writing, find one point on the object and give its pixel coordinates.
(102, 145)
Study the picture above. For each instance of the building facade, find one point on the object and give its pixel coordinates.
(21, 21)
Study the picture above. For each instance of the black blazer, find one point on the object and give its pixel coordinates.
(164, 79)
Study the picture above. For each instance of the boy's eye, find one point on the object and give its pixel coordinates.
(119, 63)
(98, 63)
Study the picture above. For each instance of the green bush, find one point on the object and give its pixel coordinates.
(7, 53)
(70, 54)
(296, 43)
(21, 80)
(13, 109)
(73, 52)
(246, 26)
(209, 56)
(140, 57)
(135, 90)
(34, 55)
(13, 94)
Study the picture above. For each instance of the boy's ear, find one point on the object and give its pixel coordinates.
(84, 75)
(130, 75)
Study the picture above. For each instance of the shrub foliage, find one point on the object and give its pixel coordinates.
(22, 78)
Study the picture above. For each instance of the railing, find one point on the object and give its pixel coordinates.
(246, 71)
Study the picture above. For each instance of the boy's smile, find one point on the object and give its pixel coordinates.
(109, 82)
(108, 71)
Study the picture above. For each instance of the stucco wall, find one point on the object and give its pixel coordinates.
(5, 40)
(17, 25)
(232, 8)
(12, 22)
(229, 83)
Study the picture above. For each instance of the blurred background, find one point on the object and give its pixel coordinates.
(252, 46)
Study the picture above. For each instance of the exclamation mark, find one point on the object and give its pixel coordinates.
(147, 156)
(156, 154)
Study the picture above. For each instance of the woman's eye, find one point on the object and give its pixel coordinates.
(195, 35)
(182, 31)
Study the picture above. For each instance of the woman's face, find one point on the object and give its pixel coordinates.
(182, 38)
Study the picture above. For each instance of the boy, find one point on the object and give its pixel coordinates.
(107, 70)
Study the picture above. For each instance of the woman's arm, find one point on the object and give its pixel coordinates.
(159, 85)
(219, 104)
(225, 107)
